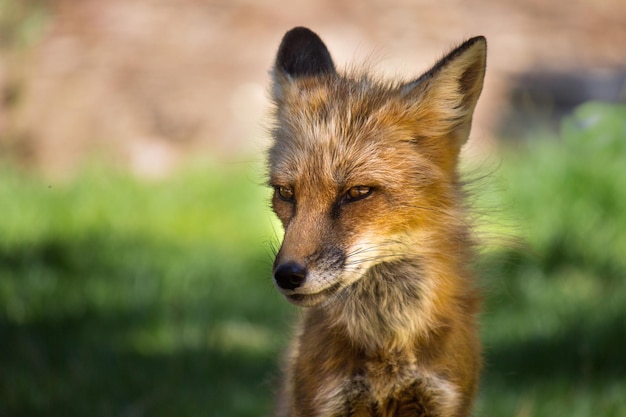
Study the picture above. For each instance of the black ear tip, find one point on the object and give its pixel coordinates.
(302, 52)
(477, 39)
(474, 41)
(300, 33)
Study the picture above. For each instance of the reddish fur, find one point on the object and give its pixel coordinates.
(391, 330)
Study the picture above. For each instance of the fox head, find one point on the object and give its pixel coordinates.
(363, 170)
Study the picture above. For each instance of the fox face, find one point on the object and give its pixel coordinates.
(363, 170)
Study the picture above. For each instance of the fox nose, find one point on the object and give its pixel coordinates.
(289, 275)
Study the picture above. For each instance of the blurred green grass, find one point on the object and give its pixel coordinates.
(554, 325)
(125, 297)
(121, 297)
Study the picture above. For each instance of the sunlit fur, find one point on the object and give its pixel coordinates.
(388, 326)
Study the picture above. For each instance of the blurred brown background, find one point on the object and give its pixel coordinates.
(147, 83)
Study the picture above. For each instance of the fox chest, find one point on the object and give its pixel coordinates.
(366, 397)
(372, 390)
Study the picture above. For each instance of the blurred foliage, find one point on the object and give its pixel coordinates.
(21, 22)
(121, 297)
(125, 297)
(554, 325)
(571, 191)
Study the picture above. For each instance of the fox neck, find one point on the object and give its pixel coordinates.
(398, 305)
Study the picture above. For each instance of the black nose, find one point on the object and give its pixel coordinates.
(290, 275)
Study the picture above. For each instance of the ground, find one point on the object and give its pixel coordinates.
(146, 82)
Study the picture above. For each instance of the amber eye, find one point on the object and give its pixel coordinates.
(285, 193)
(357, 193)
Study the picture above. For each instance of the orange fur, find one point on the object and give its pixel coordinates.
(377, 247)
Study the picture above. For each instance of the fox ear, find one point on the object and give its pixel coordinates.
(443, 99)
(301, 54)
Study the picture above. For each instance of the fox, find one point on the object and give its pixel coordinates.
(377, 249)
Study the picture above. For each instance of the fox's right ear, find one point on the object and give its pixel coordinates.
(301, 54)
(443, 99)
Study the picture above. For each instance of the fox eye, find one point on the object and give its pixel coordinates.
(357, 193)
(285, 193)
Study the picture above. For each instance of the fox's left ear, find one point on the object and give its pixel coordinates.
(301, 54)
(442, 100)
